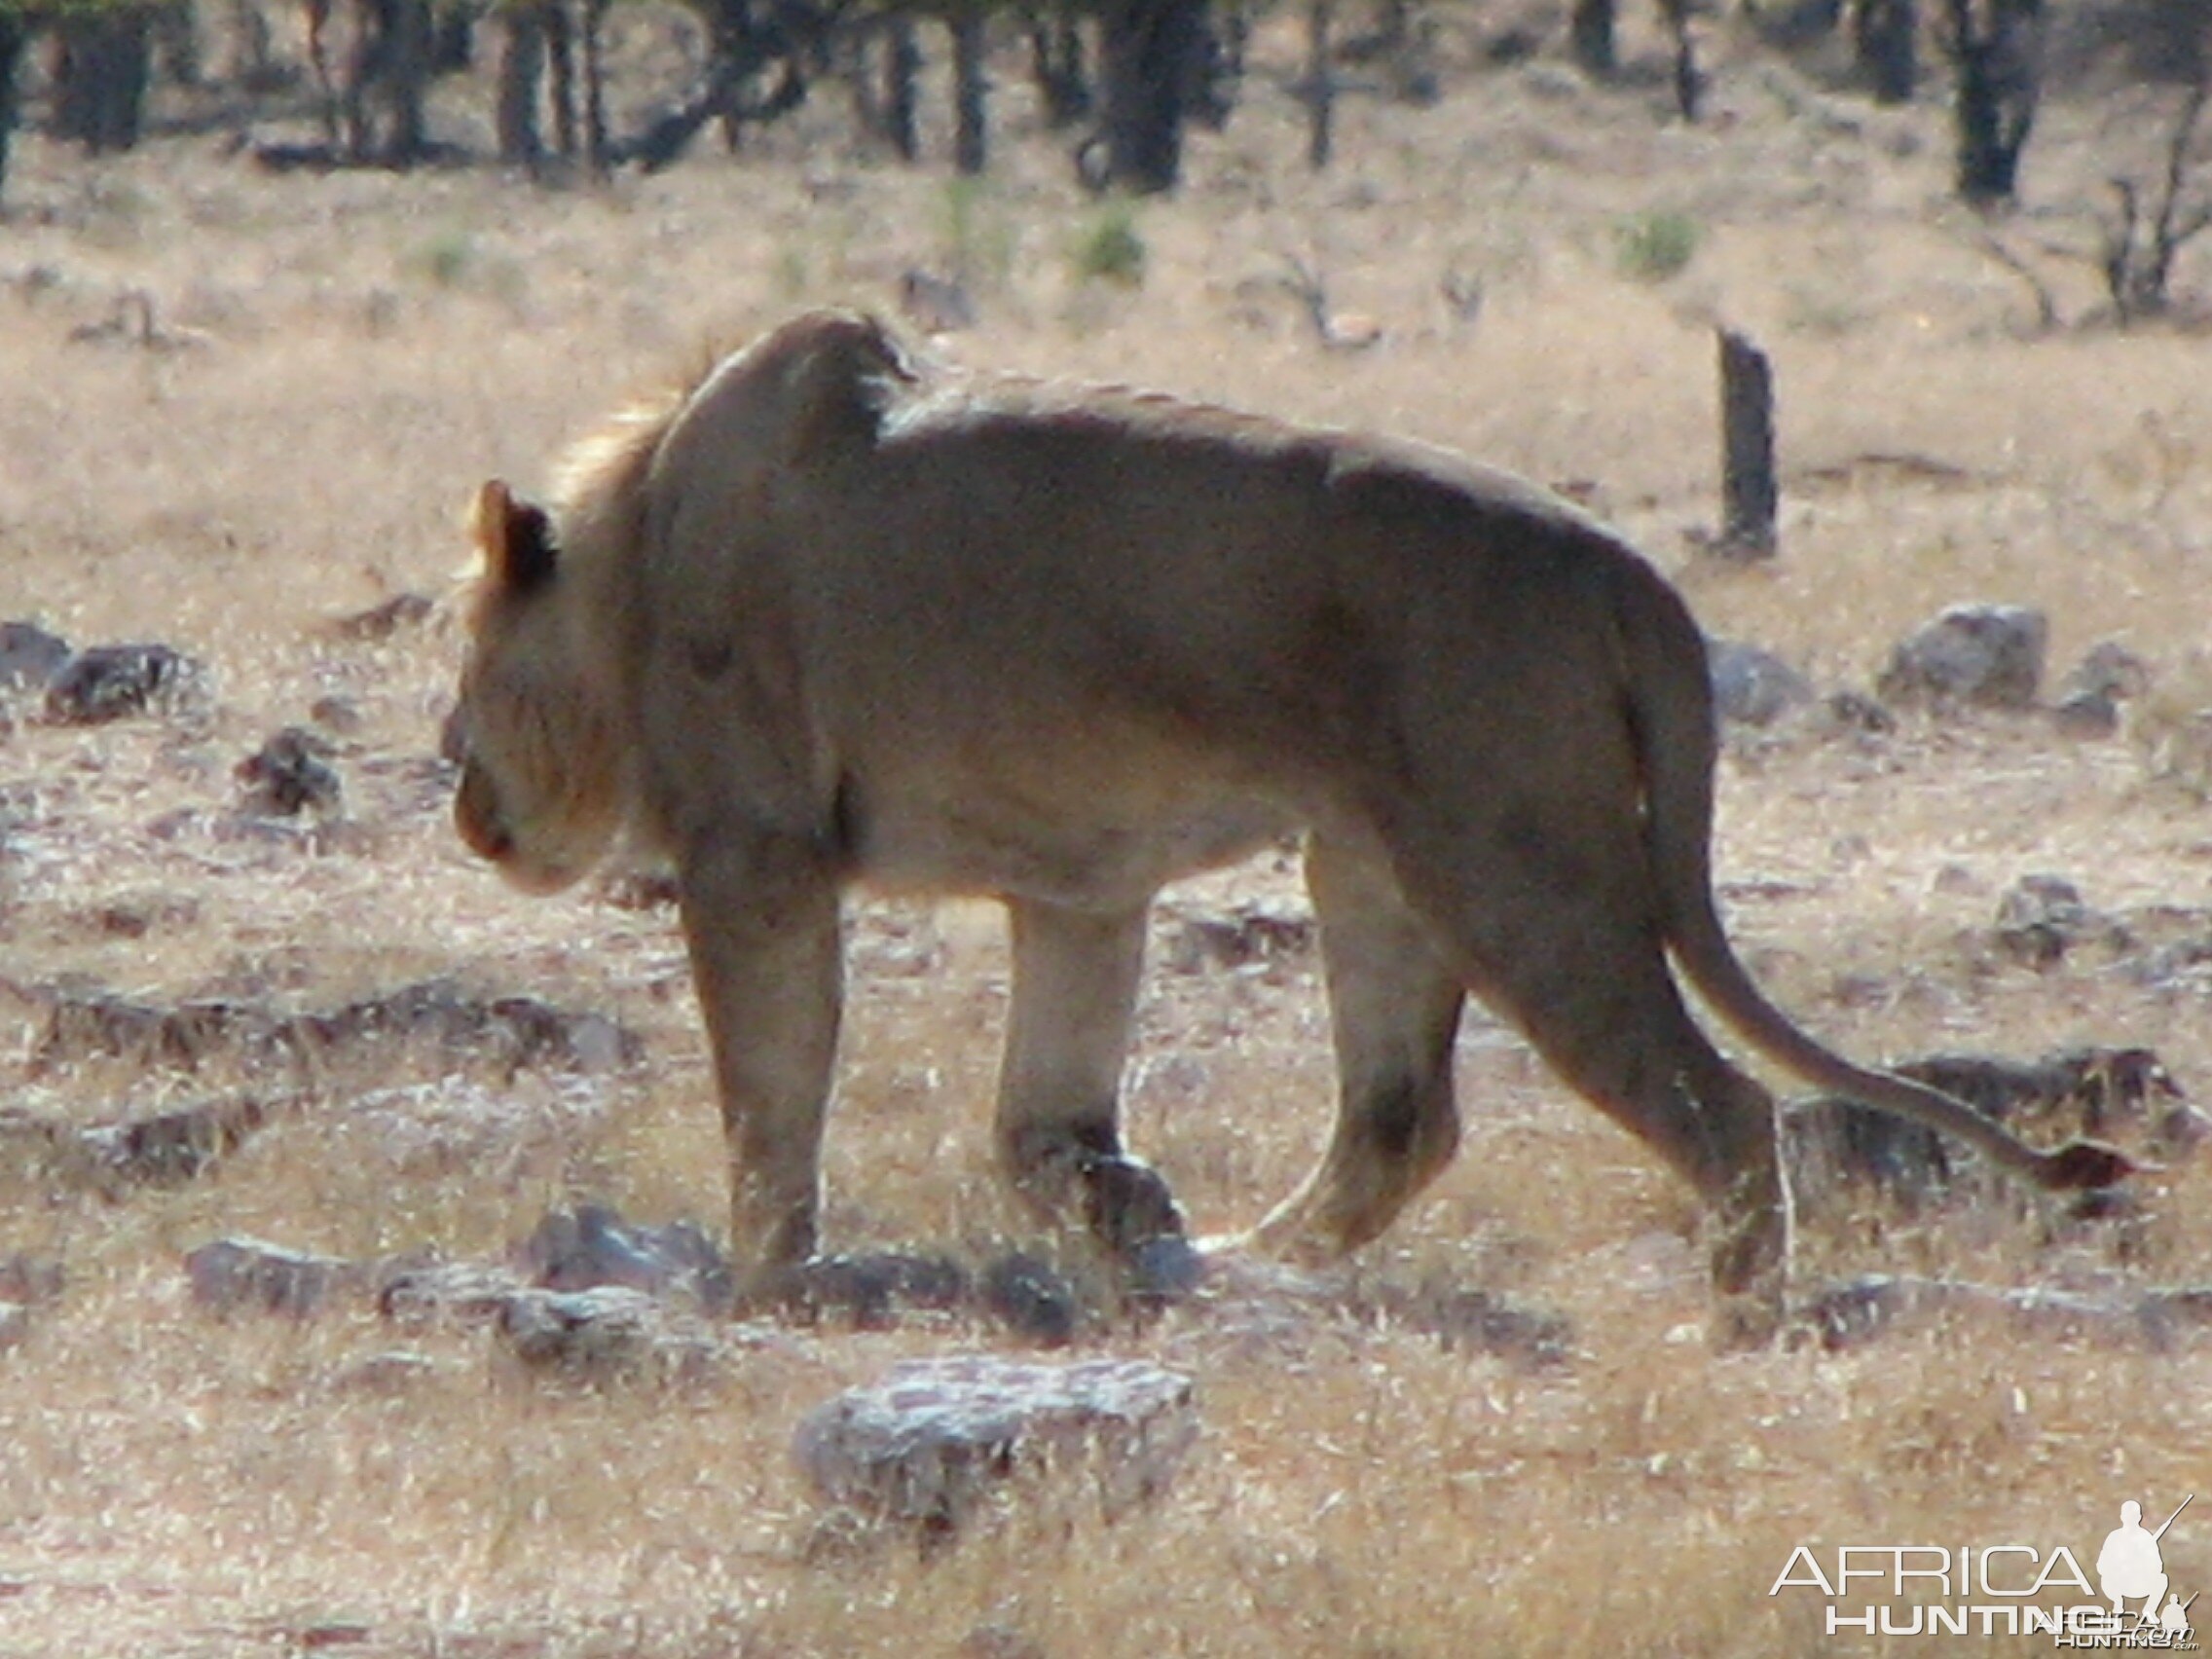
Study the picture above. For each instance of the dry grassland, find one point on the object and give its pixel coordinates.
(362, 350)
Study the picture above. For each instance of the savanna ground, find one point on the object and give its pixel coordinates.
(363, 348)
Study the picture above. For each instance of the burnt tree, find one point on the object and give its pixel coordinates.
(1319, 89)
(2141, 244)
(1886, 42)
(521, 82)
(15, 36)
(1996, 51)
(1591, 37)
(1680, 17)
(1154, 53)
(380, 91)
(970, 88)
(101, 72)
(901, 77)
(1056, 63)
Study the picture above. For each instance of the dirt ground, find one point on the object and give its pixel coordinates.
(284, 433)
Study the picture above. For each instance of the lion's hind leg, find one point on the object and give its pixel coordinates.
(1394, 1007)
(1568, 948)
(1075, 984)
(1613, 1026)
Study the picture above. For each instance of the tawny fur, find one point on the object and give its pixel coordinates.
(832, 616)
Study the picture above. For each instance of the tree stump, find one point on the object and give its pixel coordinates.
(1749, 493)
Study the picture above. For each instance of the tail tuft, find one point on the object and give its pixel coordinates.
(2081, 1165)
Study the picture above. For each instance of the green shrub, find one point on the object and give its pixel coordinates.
(1654, 246)
(1110, 249)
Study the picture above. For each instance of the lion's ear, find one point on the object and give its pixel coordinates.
(516, 536)
(843, 384)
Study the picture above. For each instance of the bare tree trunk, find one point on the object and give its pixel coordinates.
(970, 89)
(1689, 79)
(595, 86)
(1320, 86)
(15, 36)
(901, 77)
(1749, 493)
(561, 60)
(1886, 38)
(1150, 49)
(453, 39)
(2141, 246)
(408, 75)
(1055, 63)
(100, 79)
(1997, 48)
(522, 78)
(1590, 33)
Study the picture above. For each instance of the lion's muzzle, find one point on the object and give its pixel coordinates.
(476, 817)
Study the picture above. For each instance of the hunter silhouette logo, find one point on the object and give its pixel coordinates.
(2005, 1589)
(2130, 1565)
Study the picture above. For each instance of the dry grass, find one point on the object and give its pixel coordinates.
(175, 1484)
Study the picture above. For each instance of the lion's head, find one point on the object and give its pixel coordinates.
(542, 785)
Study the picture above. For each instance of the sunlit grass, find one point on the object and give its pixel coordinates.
(176, 1483)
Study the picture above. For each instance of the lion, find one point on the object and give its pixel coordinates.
(832, 616)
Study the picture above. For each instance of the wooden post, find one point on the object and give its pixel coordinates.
(1749, 497)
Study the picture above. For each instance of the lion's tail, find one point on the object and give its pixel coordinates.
(1669, 699)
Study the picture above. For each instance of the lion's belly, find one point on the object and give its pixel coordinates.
(1081, 852)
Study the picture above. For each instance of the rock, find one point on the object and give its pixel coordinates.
(1849, 710)
(111, 683)
(468, 1292)
(1753, 685)
(2089, 697)
(1472, 1320)
(29, 656)
(2040, 918)
(640, 890)
(518, 1030)
(290, 774)
(2086, 715)
(2108, 669)
(32, 1280)
(934, 304)
(382, 621)
(1032, 1299)
(870, 1288)
(341, 717)
(391, 1372)
(2123, 1093)
(511, 1032)
(593, 1246)
(930, 1442)
(234, 1273)
(1000, 1642)
(1986, 655)
(171, 1148)
(1245, 934)
(1854, 1313)
(81, 1025)
(608, 1333)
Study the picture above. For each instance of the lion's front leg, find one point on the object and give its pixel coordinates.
(761, 918)
(1394, 1005)
(1075, 984)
